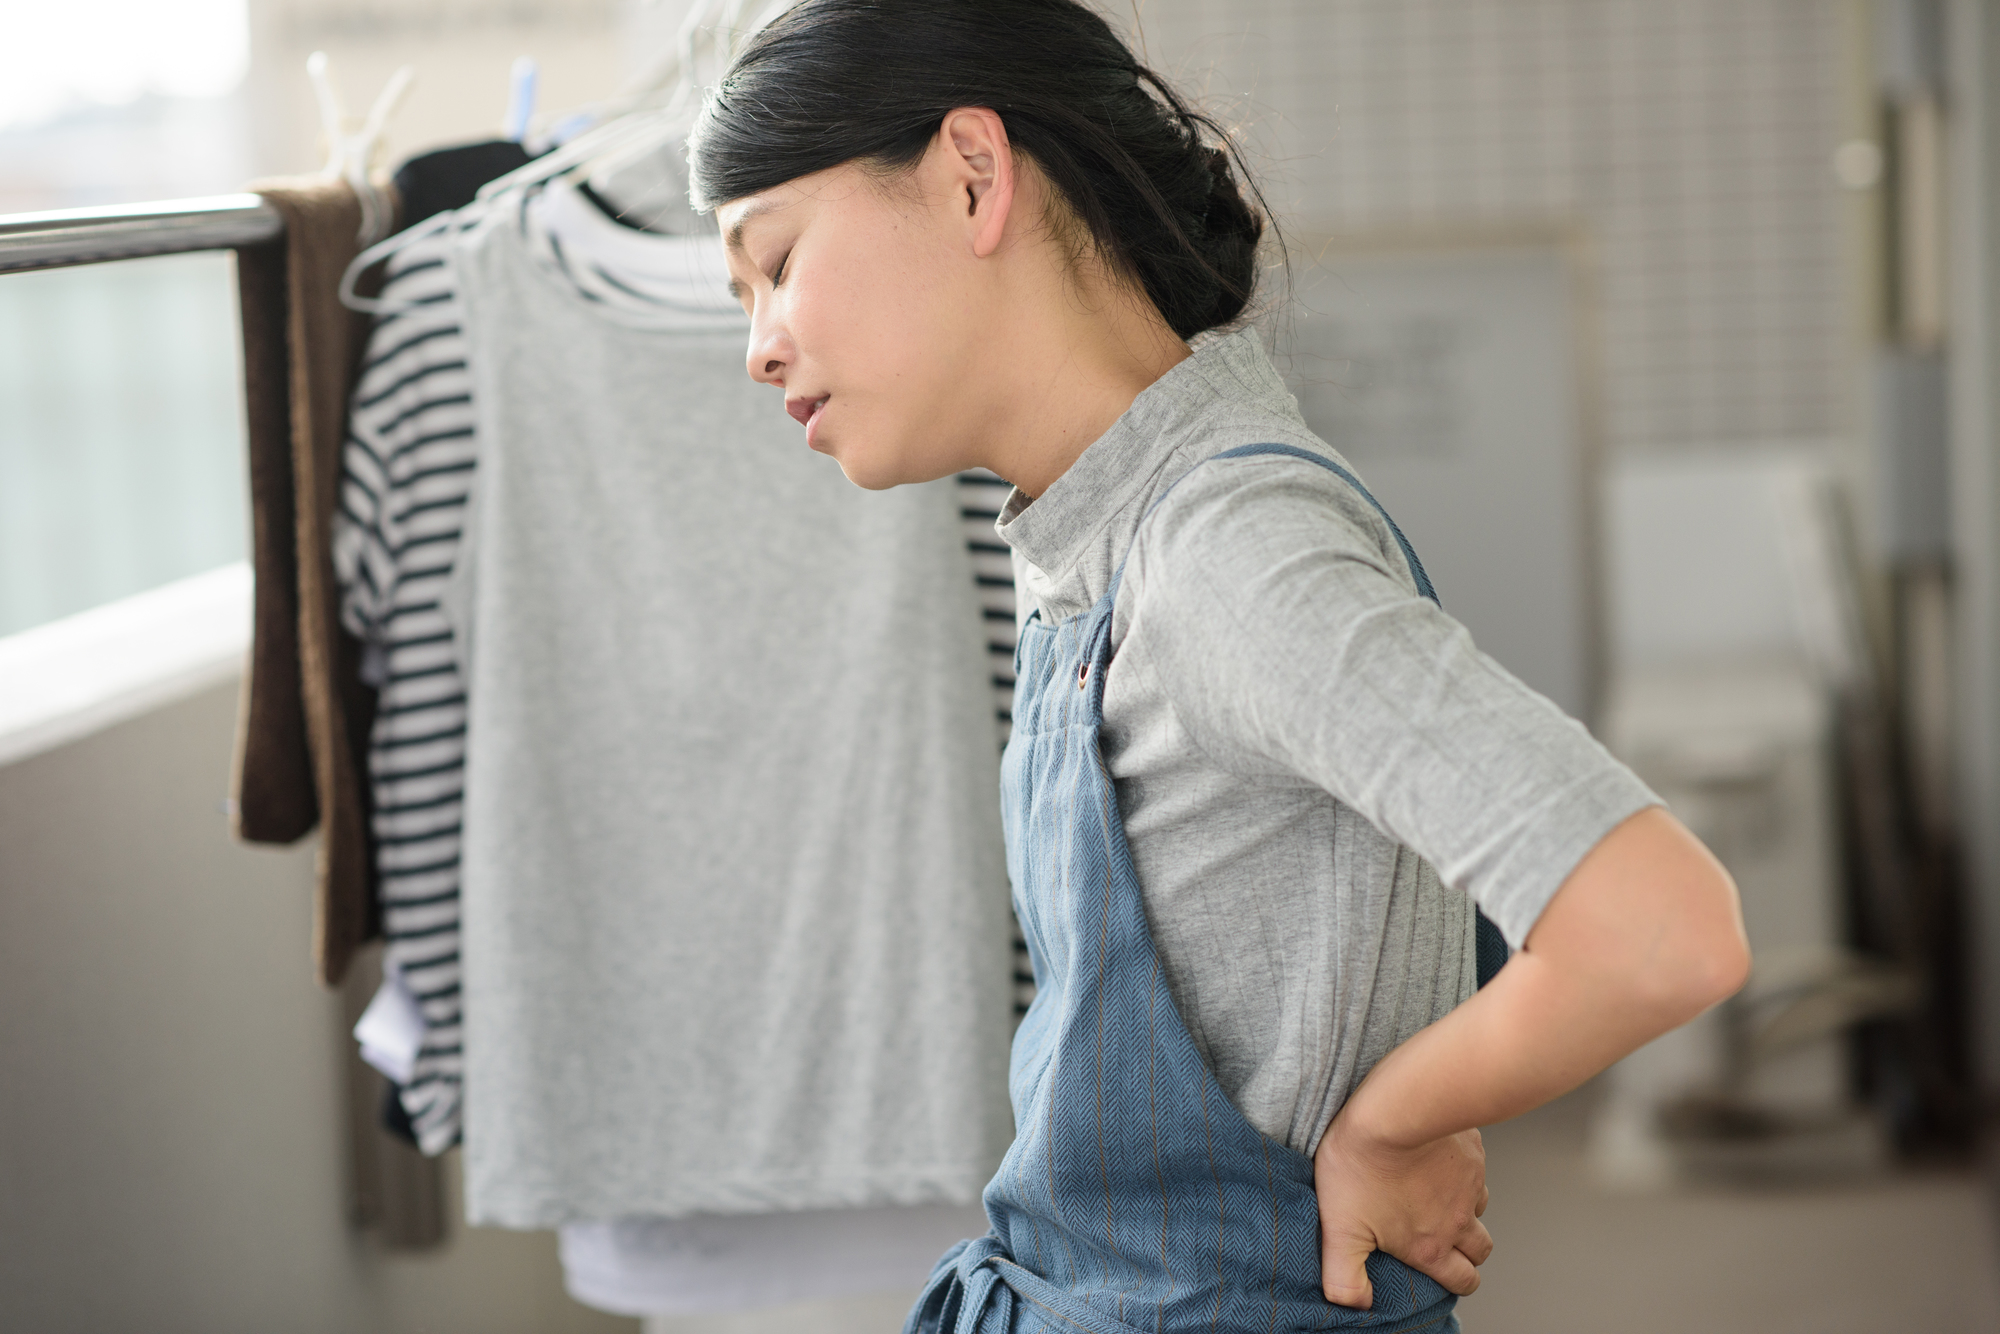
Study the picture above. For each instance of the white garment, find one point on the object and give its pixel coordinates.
(691, 1266)
(391, 1029)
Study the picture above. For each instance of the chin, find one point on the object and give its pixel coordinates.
(877, 472)
(868, 479)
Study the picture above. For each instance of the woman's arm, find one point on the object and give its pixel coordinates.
(1643, 935)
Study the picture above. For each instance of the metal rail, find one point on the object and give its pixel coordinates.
(93, 235)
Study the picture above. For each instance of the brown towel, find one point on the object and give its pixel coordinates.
(305, 714)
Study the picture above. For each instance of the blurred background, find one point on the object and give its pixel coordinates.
(1668, 332)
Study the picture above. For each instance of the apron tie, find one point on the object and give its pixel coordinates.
(974, 1288)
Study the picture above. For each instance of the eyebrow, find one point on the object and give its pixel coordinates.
(733, 239)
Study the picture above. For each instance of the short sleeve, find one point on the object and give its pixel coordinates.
(1285, 627)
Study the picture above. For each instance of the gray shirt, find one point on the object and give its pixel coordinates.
(1315, 765)
(735, 914)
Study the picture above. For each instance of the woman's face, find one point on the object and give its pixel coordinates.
(864, 300)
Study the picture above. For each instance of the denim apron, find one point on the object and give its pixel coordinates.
(1136, 1199)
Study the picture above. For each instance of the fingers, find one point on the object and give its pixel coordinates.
(1476, 1244)
(1480, 1211)
(1454, 1272)
(1343, 1270)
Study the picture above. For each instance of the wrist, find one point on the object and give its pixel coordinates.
(1360, 1130)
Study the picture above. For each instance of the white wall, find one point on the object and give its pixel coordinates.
(461, 51)
(170, 1101)
(1692, 141)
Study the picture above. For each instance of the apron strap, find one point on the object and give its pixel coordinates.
(1293, 451)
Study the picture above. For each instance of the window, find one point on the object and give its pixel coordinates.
(121, 440)
(121, 436)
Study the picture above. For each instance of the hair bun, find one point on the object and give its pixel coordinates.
(1230, 233)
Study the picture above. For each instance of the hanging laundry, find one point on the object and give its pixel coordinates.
(410, 458)
(650, 1266)
(735, 927)
(410, 432)
(305, 710)
(410, 455)
(449, 178)
(416, 364)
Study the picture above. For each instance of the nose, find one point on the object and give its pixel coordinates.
(771, 350)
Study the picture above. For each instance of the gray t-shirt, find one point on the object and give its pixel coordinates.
(1298, 739)
(735, 913)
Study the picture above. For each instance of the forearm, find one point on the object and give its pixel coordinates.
(1642, 936)
(1528, 1036)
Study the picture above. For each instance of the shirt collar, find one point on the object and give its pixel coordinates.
(1122, 469)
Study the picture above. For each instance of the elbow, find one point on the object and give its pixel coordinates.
(1723, 946)
(1700, 975)
(1705, 961)
(1652, 920)
(1725, 967)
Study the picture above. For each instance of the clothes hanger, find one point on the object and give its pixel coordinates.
(645, 183)
(661, 102)
(641, 116)
(523, 83)
(651, 112)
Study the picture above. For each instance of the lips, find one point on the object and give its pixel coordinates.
(806, 412)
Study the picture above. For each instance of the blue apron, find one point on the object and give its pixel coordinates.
(1136, 1199)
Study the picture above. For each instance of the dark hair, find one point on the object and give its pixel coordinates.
(1148, 176)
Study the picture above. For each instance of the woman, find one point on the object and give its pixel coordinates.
(1258, 779)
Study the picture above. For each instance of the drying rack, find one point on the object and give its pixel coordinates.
(73, 236)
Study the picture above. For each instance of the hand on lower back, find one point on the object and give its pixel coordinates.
(1420, 1205)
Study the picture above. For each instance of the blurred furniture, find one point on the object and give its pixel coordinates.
(1740, 684)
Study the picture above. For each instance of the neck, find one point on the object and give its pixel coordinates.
(1076, 366)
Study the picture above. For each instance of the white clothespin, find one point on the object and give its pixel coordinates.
(351, 154)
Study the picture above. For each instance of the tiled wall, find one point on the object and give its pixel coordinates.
(1692, 139)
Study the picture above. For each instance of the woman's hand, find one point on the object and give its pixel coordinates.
(1421, 1205)
(1644, 934)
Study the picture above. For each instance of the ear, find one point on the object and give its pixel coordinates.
(973, 141)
